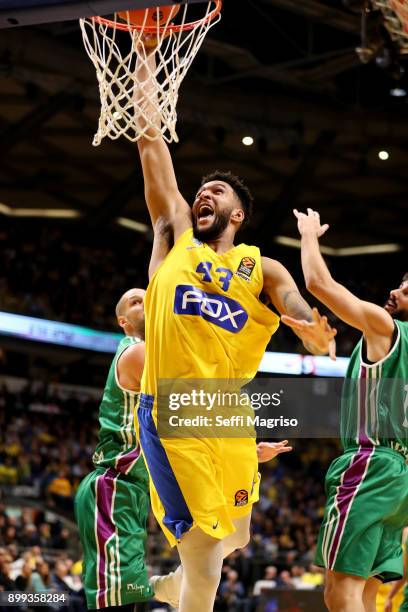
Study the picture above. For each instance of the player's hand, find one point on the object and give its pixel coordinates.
(146, 44)
(317, 335)
(310, 223)
(269, 450)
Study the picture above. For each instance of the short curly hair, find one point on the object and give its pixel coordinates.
(240, 189)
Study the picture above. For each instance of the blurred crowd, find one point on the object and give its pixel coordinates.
(77, 276)
(52, 274)
(34, 555)
(46, 441)
(46, 444)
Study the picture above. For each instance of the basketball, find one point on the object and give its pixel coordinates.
(150, 17)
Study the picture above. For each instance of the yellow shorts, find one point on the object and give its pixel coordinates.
(195, 482)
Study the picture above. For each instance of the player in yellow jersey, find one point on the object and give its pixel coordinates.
(206, 318)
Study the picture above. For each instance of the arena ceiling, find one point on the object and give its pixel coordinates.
(284, 71)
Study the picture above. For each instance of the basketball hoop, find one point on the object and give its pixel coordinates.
(396, 20)
(121, 50)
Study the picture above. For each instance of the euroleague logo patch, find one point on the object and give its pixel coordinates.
(246, 267)
(241, 497)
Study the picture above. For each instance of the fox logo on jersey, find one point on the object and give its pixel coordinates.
(216, 309)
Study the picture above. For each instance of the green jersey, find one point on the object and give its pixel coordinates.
(374, 408)
(118, 447)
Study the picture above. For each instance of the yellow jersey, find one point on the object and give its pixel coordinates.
(204, 318)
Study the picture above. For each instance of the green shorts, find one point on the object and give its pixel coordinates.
(366, 510)
(111, 511)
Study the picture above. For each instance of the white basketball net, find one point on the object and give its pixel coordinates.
(131, 108)
(396, 20)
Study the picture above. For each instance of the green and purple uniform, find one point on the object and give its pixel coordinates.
(112, 503)
(367, 486)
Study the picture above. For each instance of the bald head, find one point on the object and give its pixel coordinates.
(130, 313)
(121, 305)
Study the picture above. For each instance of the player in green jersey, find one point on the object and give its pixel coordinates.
(367, 487)
(112, 503)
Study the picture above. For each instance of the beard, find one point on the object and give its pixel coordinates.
(397, 313)
(401, 314)
(214, 231)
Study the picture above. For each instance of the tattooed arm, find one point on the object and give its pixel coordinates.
(281, 290)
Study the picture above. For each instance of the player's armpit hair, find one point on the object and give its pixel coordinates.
(164, 229)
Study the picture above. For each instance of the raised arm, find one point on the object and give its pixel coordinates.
(375, 322)
(167, 208)
(165, 203)
(280, 288)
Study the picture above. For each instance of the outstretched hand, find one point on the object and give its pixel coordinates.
(269, 450)
(310, 223)
(317, 333)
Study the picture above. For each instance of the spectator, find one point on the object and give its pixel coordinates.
(8, 471)
(36, 557)
(60, 541)
(29, 536)
(44, 532)
(17, 561)
(10, 535)
(267, 582)
(232, 592)
(60, 583)
(23, 581)
(314, 577)
(60, 490)
(24, 475)
(285, 580)
(41, 579)
(297, 572)
(6, 583)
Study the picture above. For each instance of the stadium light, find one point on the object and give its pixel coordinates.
(133, 225)
(50, 213)
(368, 249)
(398, 92)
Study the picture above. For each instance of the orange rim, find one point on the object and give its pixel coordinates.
(170, 27)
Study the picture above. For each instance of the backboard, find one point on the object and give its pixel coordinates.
(14, 13)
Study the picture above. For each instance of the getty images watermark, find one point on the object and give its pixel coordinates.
(279, 408)
(263, 408)
(241, 405)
